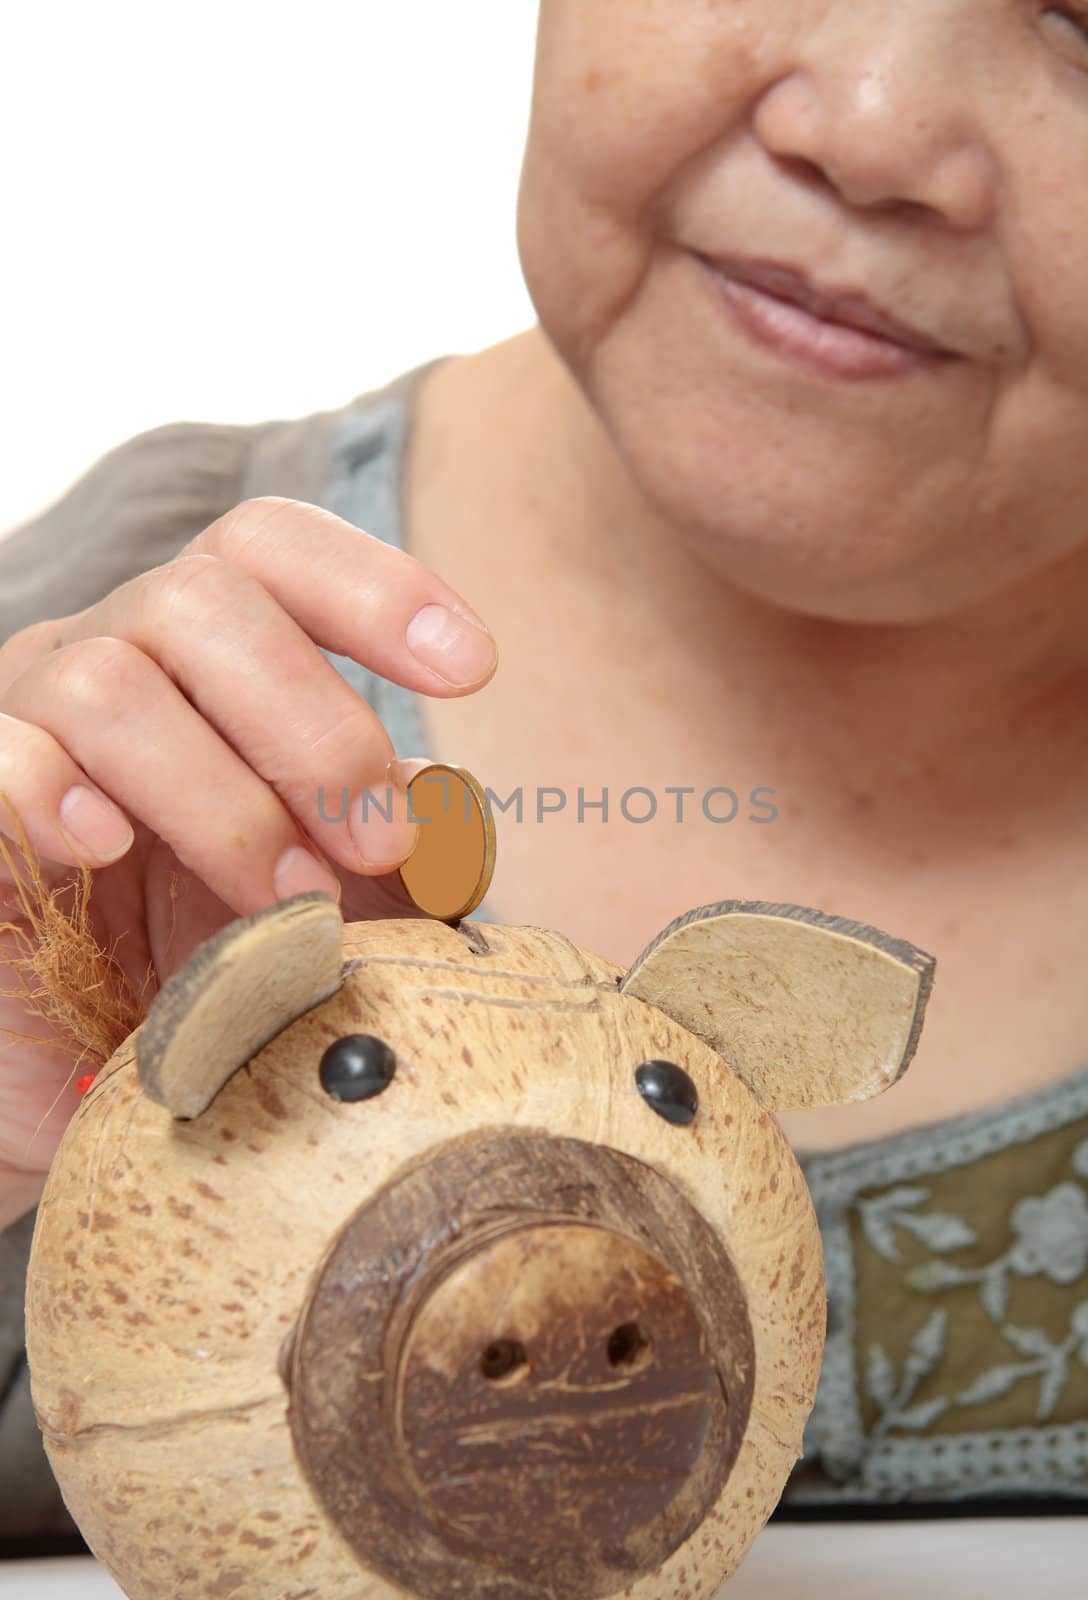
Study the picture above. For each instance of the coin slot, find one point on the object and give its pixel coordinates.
(505, 1361)
(629, 1347)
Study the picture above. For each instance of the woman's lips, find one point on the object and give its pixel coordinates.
(832, 348)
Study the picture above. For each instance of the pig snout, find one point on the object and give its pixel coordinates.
(556, 1385)
(527, 1358)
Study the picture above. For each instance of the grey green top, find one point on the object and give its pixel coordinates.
(957, 1254)
(364, 488)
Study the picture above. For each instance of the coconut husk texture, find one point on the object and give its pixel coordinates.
(260, 1318)
(64, 976)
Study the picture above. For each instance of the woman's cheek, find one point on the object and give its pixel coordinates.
(626, 94)
(581, 266)
(595, 187)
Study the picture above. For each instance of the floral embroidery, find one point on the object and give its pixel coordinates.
(881, 1215)
(986, 1391)
(892, 1395)
(1051, 1239)
(1050, 1363)
(1052, 1235)
(1080, 1159)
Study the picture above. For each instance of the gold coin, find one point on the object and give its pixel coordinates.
(449, 871)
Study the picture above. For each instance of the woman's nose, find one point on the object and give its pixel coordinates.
(880, 108)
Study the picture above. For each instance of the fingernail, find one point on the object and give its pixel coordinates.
(379, 826)
(450, 645)
(402, 769)
(297, 871)
(95, 822)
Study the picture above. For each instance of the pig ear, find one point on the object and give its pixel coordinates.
(807, 1008)
(236, 992)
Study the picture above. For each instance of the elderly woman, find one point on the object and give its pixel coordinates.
(783, 494)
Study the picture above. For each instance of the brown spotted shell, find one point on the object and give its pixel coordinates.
(172, 1261)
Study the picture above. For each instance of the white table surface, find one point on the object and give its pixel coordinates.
(1029, 1558)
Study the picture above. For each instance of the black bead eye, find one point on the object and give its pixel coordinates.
(357, 1067)
(667, 1089)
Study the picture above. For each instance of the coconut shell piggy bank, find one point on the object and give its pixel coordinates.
(409, 1258)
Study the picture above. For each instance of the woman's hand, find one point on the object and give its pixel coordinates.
(180, 731)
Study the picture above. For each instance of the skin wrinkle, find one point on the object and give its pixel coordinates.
(969, 510)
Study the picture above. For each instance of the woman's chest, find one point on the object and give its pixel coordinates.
(607, 845)
(627, 790)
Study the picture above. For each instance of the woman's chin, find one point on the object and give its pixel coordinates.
(822, 574)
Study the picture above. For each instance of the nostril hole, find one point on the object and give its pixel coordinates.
(629, 1347)
(505, 1361)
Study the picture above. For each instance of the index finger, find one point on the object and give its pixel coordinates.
(355, 595)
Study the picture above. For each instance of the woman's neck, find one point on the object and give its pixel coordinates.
(1010, 672)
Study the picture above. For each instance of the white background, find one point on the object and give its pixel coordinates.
(226, 210)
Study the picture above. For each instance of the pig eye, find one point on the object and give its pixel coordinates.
(667, 1089)
(357, 1067)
